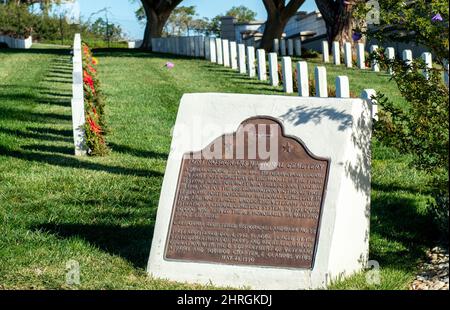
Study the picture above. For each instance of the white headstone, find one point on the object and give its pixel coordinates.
(262, 67)
(367, 94)
(325, 52)
(348, 54)
(78, 121)
(242, 64)
(77, 102)
(336, 53)
(303, 79)
(321, 82)
(390, 54)
(195, 238)
(290, 47)
(233, 55)
(219, 51)
(186, 46)
(212, 50)
(298, 47)
(251, 61)
(283, 47)
(77, 41)
(361, 56)
(342, 87)
(226, 53)
(196, 46)
(407, 57)
(191, 46)
(428, 59)
(288, 84)
(201, 40)
(375, 65)
(276, 46)
(206, 42)
(175, 46)
(273, 69)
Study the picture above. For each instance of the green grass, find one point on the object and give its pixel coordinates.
(101, 211)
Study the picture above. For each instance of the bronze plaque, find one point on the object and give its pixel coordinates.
(240, 209)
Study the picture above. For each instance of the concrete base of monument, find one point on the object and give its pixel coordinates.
(337, 131)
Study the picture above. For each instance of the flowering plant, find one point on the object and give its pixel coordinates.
(419, 126)
(95, 126)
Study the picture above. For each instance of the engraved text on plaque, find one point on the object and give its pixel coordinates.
(230, 211)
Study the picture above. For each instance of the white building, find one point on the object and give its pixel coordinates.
(307, 26)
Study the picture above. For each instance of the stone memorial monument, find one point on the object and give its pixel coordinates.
(276, 195)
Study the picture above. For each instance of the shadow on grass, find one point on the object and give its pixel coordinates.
(66, 71)
(55, 101)
(71, 162)
(44, 51)
(64, 68)
(399, 233)
(273, 90)
(52, 94)
(401, 187)
(49, 149)
(131, 243)
(59, 132)
(26, 116)
(58, 80)
(15, 87)
(36, 134)
(58, 76)
(136, 152)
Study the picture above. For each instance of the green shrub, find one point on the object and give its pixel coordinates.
(308, 53)
(421, 127)
(17, 21)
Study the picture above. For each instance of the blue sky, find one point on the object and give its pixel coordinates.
(122, 11)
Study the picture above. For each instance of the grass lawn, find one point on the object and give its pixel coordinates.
(101, 211)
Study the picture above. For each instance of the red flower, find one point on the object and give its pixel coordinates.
(94, 127)
(92, 69)
(87, 79)
(86, 50)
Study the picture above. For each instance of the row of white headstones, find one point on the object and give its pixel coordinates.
(243, 59)
(78, 116)
(199, 46)
(16, 43)
(407, 57)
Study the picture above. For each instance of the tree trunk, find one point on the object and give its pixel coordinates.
(157, 13)
(342, 28)
(154, 27)
(278, 15)
(273, 29)
(339, 21)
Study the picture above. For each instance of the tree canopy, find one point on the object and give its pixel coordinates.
(181, 20)
(45, 5)
(242, 13)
